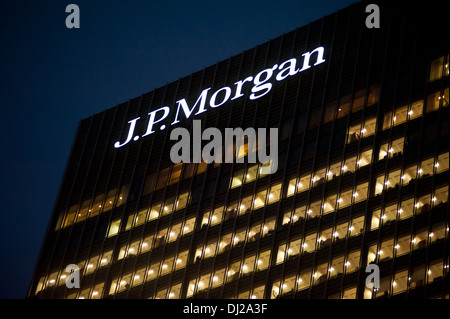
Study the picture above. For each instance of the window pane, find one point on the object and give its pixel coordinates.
(344, 106)
(109, 202)
(354, 133)
(122, 198)
(403, 245)
(400, 115)
(442, 163)
(416, 109)
(358, 100)
(114, 228)
(360, 193)
(387, 120)
(374, 95)
(369, 127)
(237, 179)
(436, 69)
(400, 282)
(329, 111)
(433, 101)
(175, 174)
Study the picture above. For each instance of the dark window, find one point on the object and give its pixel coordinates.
(324, 144)
(430, 134)
(286, 128)
(295, 156)
(444, 128)
(162, 178)
(150, 183)
(101, 230)
(196, 193)
(328, 113)
(339, 138)
(314, 118)
(309, 150)
(223, 183)
(74, 241)
(358, 100)
(135, 189)
(301, 123)
(209, 189)
(88, 234)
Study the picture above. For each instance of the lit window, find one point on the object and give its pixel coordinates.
(337, 267)
(387, 120)
(250, 176)
(437, 69)
(304, 280)
(114, 228)
(400, 115)
(416, 110)
(441, 164)
(369, 127)
(275, 192)
(260, 199)
(375, 222)
(354, 133)
(237, 179)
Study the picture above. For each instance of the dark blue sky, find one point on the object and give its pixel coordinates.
(51, 77)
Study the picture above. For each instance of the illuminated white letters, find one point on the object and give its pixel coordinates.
(307, 56)
(187, 111)
(212, 102)
(152, 121)
(290, 69)
(261, 84)
(261, 87)
(130, 133)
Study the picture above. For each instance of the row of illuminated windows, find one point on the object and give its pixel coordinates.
(320, 176)
(92, 207)
(171, 204)
(141, 246)
(338, 266)
(158, 210)
(349, 103)
(285, 251)
(404, 280)
(409, 112)
(400, 177)
(405, 209)
(359, 131)
(265, 197)
(409, 207)
(58, 278)
(395, 247)
(389, 285)
(439, 68)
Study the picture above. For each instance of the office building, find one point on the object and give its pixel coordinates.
(362, 178)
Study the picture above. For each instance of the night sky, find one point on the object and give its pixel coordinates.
(52, 77)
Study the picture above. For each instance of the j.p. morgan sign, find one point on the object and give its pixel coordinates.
(261, 86)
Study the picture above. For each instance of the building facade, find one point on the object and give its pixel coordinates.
(362, 177)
